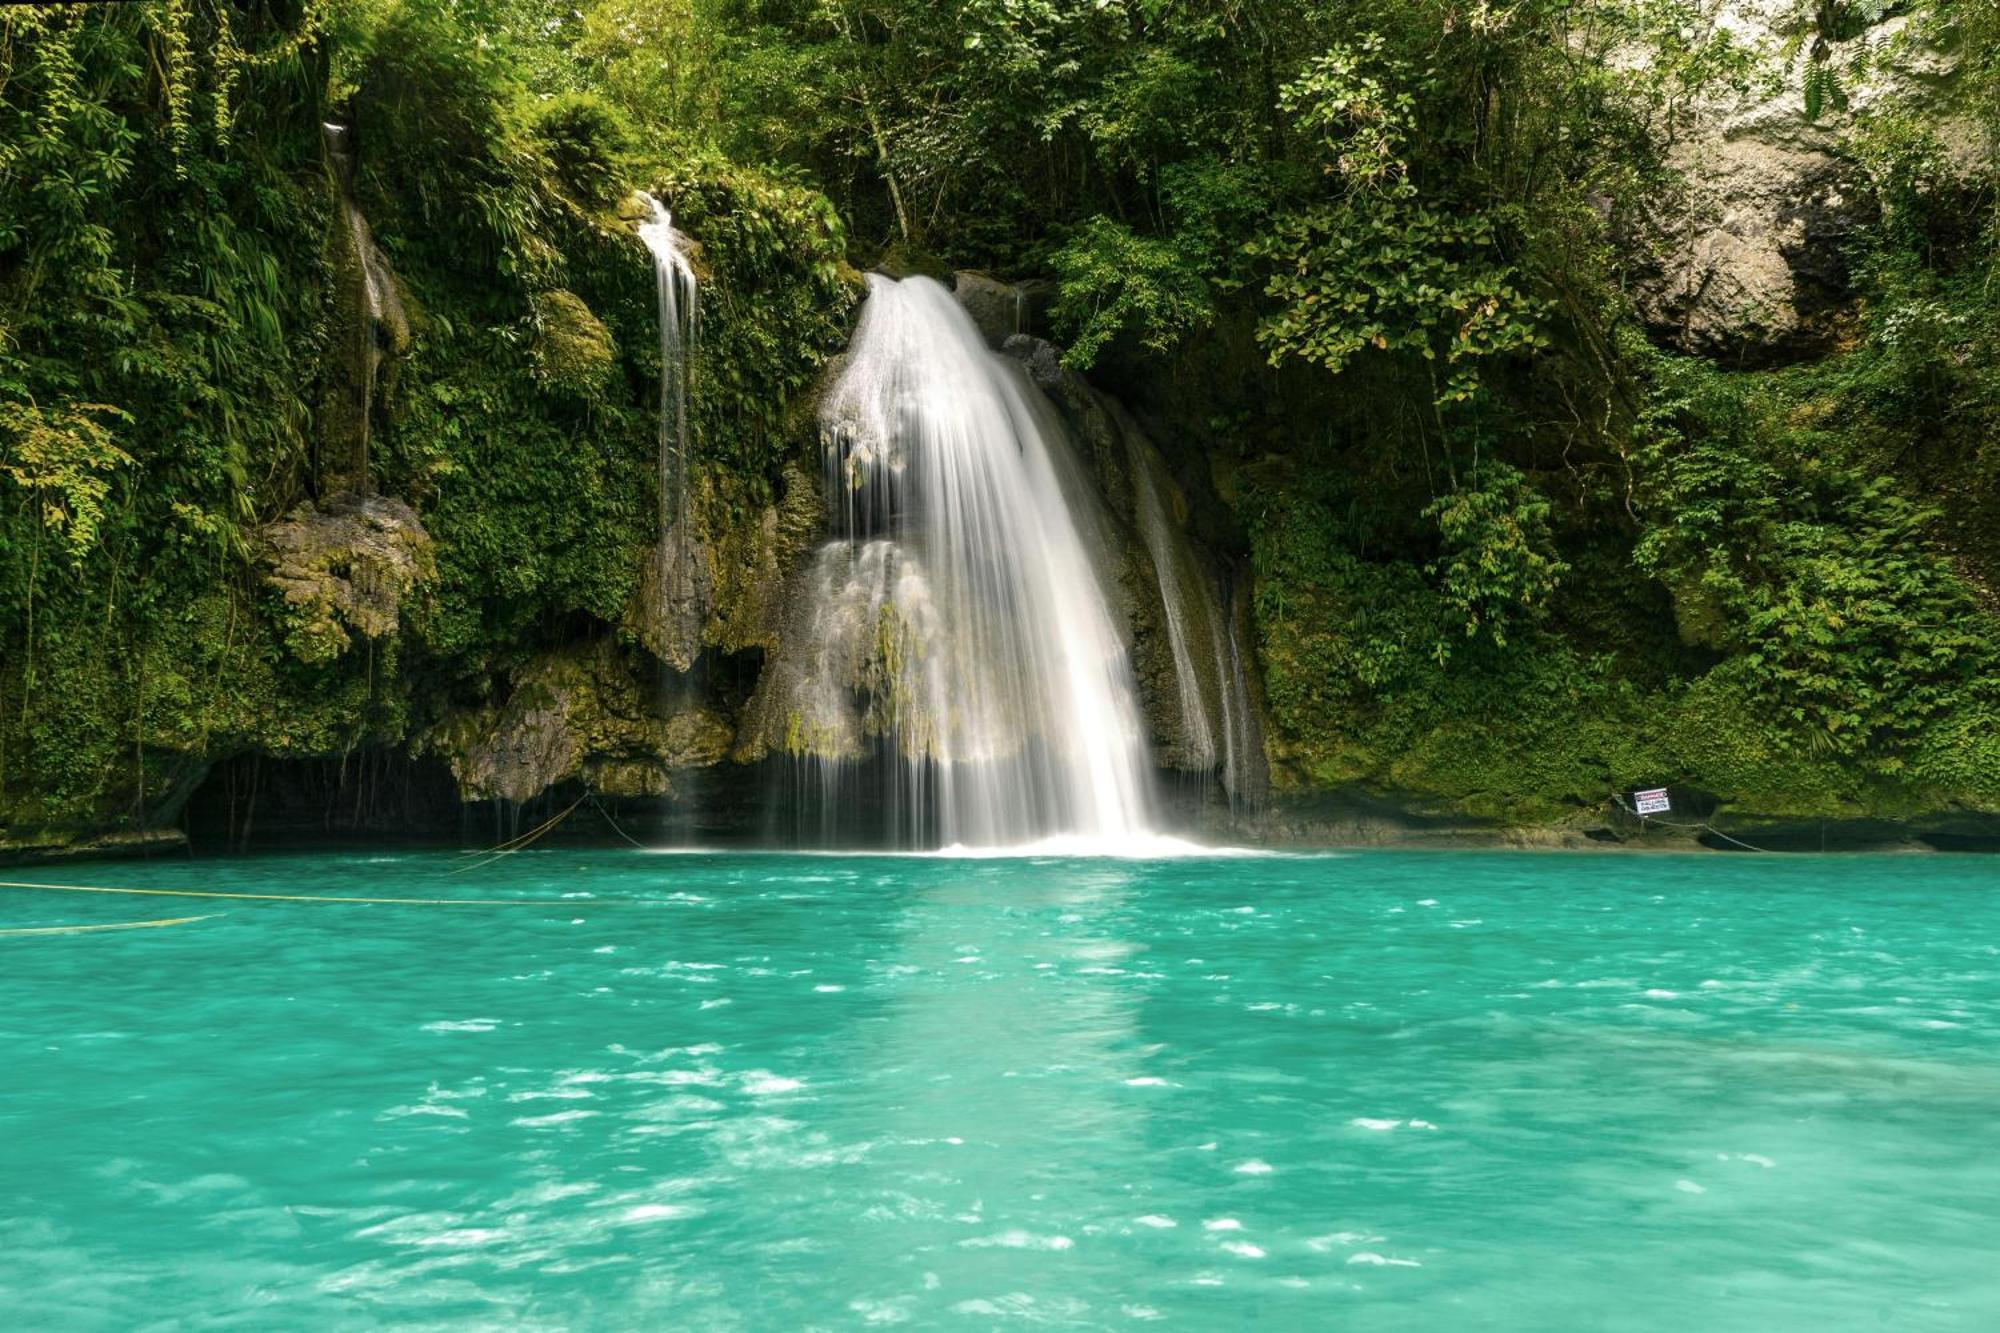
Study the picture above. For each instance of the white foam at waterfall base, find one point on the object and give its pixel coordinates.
(959, 633)
(1132, 847)
(1143, 847)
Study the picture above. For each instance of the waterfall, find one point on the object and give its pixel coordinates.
(675, 602)
(376, 324)
(1174, 568)
(952, 633)
(1218, 723)
(680, 328)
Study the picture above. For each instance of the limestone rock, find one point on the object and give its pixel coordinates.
(1753, 256)
(346, 569)
(674, 591)
(1002, 309)
(1745, 258)
(577, 713)
(721, 583)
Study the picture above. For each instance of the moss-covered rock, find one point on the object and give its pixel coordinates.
(344, 570)
(721, 585)
(573, 351)
(578, 712)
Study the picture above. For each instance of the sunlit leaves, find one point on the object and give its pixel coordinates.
(65, 459)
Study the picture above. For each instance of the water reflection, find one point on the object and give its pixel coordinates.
(1005, 1049)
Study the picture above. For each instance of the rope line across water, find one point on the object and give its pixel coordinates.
(115, 925)
(521, 843)
(332, 898)
(615, 827)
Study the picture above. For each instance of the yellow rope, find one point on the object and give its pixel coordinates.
(521, 843)
(523, 839)
(330, 898)
(119, 925)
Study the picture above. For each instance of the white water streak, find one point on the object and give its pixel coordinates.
(680, 329)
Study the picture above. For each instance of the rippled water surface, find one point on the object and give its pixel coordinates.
(1377, 1091)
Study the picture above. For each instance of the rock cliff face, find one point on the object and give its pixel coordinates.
(579, 714)
(346, 570)
(1746, 257)
(721, 585)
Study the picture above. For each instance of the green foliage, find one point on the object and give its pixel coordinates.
(1498, 565)
(1856, 632)
(777, 304)
(1819, 27)
(1115, 280)
(64, 462)
(1355, 103)
(1380, 272)
(586, 141)
(170, 226)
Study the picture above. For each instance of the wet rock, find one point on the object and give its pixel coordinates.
(36, 849)
(344, 570)
(752, 560)
(721, 583)
(629, 779)
(903, 260)
(672, 598)
(578, 713)
(371, 323)
(1000, 309)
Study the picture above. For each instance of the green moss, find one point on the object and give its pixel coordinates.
(572, 351)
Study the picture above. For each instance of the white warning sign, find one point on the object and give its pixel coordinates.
(1652, 802)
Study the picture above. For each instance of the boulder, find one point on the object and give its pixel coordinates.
(345, 569)
(1745, 258)
(578, 714)
(998, 308)
(1002, 309)
(572, 352)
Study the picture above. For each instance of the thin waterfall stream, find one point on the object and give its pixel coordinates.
(680, 331)
(675, 583)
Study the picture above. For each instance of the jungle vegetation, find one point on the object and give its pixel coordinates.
(1365, 265)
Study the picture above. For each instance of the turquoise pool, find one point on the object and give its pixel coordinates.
(1369, 1091)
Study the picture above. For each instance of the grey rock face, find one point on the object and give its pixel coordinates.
(577, 714)
(1752, 257)
(1002, 309)
(345, 570)
(998, 308)
(1746, 259)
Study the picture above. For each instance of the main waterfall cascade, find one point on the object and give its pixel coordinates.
(953, 625)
